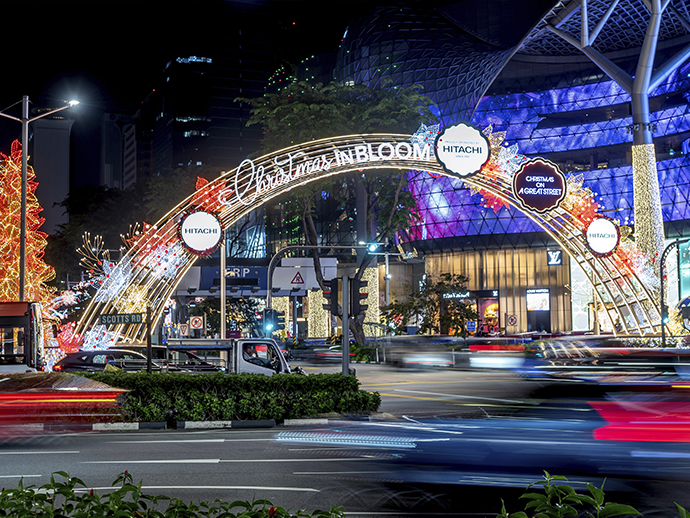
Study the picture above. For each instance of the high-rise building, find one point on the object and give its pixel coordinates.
(50, 152)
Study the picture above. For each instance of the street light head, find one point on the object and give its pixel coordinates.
(73, 103)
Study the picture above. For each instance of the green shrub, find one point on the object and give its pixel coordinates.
(65, 499)
(363, 353)
(158, 397)
(560, 500)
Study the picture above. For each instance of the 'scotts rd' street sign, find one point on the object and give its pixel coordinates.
(124, 318)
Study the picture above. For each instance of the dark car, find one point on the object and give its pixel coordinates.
(96, 361)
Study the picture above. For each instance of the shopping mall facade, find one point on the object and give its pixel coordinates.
(551, 101)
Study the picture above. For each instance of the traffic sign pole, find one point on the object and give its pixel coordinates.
(149, 348)
(346, 327)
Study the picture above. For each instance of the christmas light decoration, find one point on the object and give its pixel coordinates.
(52, 354)
(425, 135)
(37, 273)
(114, 280)
(503, 163)
(67, 339)
(99, 338)
(318, 319)
(257, 181)
(208, 199)
(648, 217)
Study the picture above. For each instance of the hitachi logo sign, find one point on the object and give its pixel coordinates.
(468, 150)
(462, 149)
(201, 231)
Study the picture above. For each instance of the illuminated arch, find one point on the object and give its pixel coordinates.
(156, 263)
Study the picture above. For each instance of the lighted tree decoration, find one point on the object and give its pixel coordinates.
(37, 272)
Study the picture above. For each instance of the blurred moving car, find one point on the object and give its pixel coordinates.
(39, 402)
(97, 360)
(420, 356)
(630, 436)
(320, 354)
(584, 360)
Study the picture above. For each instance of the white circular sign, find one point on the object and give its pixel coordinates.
(462, 149)
(602, 236)
(201, 232)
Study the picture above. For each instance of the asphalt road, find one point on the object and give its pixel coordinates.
(247, 464)
(424, 393)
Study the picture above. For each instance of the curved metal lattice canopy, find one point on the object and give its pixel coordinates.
(624, 27)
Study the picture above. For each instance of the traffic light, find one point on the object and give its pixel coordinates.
(270, 320)
(279, 321)
(330, 293)
(356, 307)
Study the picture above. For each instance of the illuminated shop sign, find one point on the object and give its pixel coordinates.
(252, 181)
(194, 59)
(539, 185)
(479, 294)
(458, 295)
(462, 149)
(538, 299)
(554, 257)
(602, 236)
(201, 232)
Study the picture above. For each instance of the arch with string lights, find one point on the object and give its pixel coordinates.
(157, 260)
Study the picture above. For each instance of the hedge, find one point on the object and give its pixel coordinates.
(160, 397)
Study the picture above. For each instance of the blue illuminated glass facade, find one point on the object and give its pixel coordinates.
(578, 118)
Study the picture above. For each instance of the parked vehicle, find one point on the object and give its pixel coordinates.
(98, 360)
(244, 355)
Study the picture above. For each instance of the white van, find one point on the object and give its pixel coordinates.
(243, 355)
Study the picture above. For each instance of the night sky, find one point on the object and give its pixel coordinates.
(109, 55)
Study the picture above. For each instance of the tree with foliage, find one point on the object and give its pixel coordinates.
(302, 112)
(428, 307)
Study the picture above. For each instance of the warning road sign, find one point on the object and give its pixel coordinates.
(297, 279)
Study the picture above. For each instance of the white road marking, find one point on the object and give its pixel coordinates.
(454, 396)
(336, 472)
(20, 476)
(36, 452)
(195, 488)
(216, 461)
(300, 460)
(172, 442)
(161, 461)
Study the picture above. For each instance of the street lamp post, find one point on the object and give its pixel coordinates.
(25, 121)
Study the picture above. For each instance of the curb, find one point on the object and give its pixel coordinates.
(180, 425)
